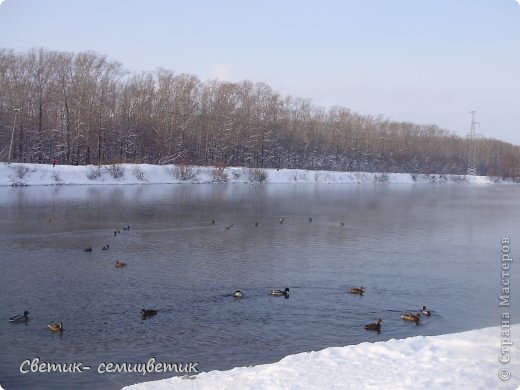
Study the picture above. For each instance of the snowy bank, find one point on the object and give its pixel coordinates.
(467, 360)
(43, 174)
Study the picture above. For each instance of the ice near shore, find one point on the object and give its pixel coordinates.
(46, 174)
(467, 360)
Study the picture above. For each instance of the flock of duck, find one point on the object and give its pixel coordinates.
(406, 316)
(54, 327)
(58, 327)
(359, 291)
(146, 313)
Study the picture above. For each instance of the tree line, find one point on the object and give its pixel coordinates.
(87, 109)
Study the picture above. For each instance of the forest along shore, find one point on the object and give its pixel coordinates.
(83, 108)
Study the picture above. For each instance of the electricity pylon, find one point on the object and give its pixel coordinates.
(472, 147)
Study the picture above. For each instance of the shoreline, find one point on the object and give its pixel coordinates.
(28, 174)
(458, 360)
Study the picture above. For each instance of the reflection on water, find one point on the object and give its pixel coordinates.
(408, 246)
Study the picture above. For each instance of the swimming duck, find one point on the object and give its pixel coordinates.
(120, 264)
(106, 247)
(55, 327)
(357, 290)
(412, 317)
(342, 223)
(145, 313)
(376, 326)
(20, 317)
(279, 293)
(310, 219)
(127, 228)
(426, 312)
(281, 220)
(256, 224)
(238, 294)
(213, 221)
(89, 249)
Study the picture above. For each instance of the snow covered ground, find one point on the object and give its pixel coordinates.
(468, 360)
(43, 174)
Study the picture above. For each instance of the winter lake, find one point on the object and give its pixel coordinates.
(408, 245)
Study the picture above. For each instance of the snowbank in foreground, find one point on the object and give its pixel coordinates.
(467, 360)
(42, 174)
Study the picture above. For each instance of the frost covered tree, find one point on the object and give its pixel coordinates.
(86, 109)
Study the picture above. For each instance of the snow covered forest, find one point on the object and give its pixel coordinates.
(87, 109)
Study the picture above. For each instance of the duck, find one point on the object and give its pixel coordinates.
(376, 326)
(342, 223)
(55, 327)
(89, 249)
(310, 219)
(426, 312)
(238, 294)
(256, 224)
(127, 228)
(213, 221)
(120, 264)
(20, 317)
(145, 313)
(106, 247)
(357, 290)
(279, 293)
(281, 220)
(114, 233)
(412, 317)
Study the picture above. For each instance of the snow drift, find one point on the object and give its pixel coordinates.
(467, 360)
(42, 174)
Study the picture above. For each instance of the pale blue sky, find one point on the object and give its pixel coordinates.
(412, 60)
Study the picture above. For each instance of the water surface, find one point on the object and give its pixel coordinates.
(408, 245)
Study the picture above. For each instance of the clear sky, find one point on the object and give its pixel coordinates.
(409, 60)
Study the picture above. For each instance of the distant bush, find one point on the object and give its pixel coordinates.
(115, 170)
(139, 174)
(183, 172)
(381, 177)
(219, 174)
(257, 175)
(458, 178)
(299, 176)
(361, 177)
(94, 173)
(56, 176)
(20, 172)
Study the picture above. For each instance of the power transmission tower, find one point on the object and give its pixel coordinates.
(472, 147)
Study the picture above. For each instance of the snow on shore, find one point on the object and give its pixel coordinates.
(467, 360)
(44, 174)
